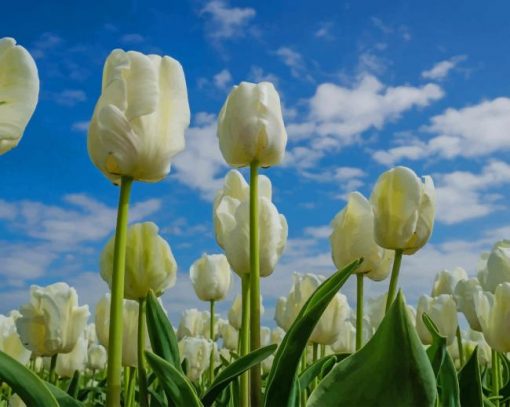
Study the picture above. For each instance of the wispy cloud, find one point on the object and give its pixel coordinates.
(441, 69)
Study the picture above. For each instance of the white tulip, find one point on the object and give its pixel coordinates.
(465, 293)
(265, 336)
(10, 342)
(15, 401)
(277, 335)
(210, 276)
(446, 281)
(404, 210)
(150, 264)
(250, 126)
(442, 310)
(197, 352)
(353, 238)
(280, 314)
(346, 340)
(75, 360)
(267, 364)
(97, 357)
(235, 312)
(139, 120)
(192, 323)
(230, 336)
(19, 91)
(52, 322)
(497, 266)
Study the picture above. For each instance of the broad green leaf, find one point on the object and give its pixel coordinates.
(161, 332)
(314, 370)
(437, 351)
(177, 386)
(286, 361)
(392, 369)
(234, 370)
(74, 384)
(25, 383)
(470, 383)
(63, 398)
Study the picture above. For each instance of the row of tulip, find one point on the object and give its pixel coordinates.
(136, 129)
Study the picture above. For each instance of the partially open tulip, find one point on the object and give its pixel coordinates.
(192, 323)
(465, 293)
(197, 352)
(353, 238)
(442, 310)
(52, 321)
(19, 91)
(75, 360)
(140, 118)
(446, 281)
(210, 276)
(97, 357)
(10, 341)
(250, 126)
(150, 264)
(497, 266)
(404, 210)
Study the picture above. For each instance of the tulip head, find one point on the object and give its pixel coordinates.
(443, 312)
(197, 352)
(97, 357)
(210, 276)
(494, 268)
(75, 360)
(193, 323)
(229, 335)
(250, 126)
(465, 293)
(446, 281)
(10, 341)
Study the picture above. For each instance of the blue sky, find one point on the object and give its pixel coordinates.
(365, 85)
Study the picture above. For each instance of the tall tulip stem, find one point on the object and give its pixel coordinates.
(495, 378)
(142, 373)
(359, 310)
(211, 333)
(459, 345)
(394, 278)
(53, 364)
(255, 378)
(117, 296)
(245, 337)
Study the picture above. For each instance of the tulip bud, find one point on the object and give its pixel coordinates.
(97, 357)
(250, 126)
(150, 264)
(139, 120)
(495, 267)
(230, 336)
(73, 361)
(280, 314)
(443, 312)
(404, 210)
(19, 90)
(210, 276)
(52, 322)
(353, 238)
(234, 314)
(192, 323)
(465, 293)
(346, 340)
(197, 352)
(446, 281)
(10, 341)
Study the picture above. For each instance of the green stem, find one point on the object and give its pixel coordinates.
(53, 364)
(459, 345)
(117, 296)
(211, 333)
(255, 377)
(130, 393)
(322, 351)
(303, 396)
(394, 278)
(315, 356)
(245, 338)
(359, 310)
(142, 373)
(495, 378)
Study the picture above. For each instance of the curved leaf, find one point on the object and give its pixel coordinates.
(314, 370)
(470, 383)
(437, 351)
(392, 369)
(286, 361)
(63, 398)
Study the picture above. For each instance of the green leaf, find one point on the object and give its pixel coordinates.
(235, 369)
(470, 383)
(437, 351)
(177, 386)
(161, 332)
(25, 383)
(286, 361)
(63, 398)
(74, 384)
(315, 369)
(392, 369)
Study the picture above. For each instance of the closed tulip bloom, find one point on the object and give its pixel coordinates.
(52, 321)
(230, 336)
(250, 126)
(150, 264)
(443, 312)
(446, 281)
(234, 313)
(404, 210)
(497, 266)
(19, 91)
(280, 314)
(90, 333)
(465, 293)
(192, 323)
(75, 360)
(97, 357)
(197, 352)
(353, 238)
(210, 276)
(493, 312)
(346, 340)
(10, 341)
(139, 120)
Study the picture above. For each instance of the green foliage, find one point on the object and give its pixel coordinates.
(470, 383)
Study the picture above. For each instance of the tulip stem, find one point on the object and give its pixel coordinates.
(359, 310)
(394, 278)
(459, 345)
(117, 296)
(255, 378)
(53, 364)
(245, 337)
(211, 333)
(315, 356)
(130, 394)
(495, 378)
(142, 373)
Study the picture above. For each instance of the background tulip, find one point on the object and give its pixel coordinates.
(96, 357)
(234, 313)
(150, 264)
(197, 352)
(75, 360)
(139, 120)
(230, 335)
(10, 342)
(443, 312)
(210, 276)
(465, 293)
(495, 267)
(19, 91)
(446, 281)
(250, 126)
(192, 323)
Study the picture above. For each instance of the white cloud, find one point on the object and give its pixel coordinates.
(324, 31)
(132, 39)
(222, 79)
(318, 232)
(441, 69)
(257, 74)
(69, 97)
(294, 61)
(46, 41)
(80, 126)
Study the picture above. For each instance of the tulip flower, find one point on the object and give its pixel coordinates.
(280, 315)
(19, 91)
(52, 321)
(446, 281)
(75, 360)
(442, 310)
(230, 336)
(277, 335)
(465, 293)
(235, 312)
(197, 352)
(346, 340)
(192, 323)
(10, 341)
(97, 357)
(495, 267)
(210, 276)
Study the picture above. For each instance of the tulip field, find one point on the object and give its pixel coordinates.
(451, 350)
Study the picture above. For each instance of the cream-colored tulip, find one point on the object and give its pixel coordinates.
(129, 326)
(404, 210)
(210, 276)
(280, 314)
(493, 312)
(353, 238)
(265, 336)
(442, 310)
(16, 401)
(75, 360)
(446, 281)
(197, 352)
(192, 323)
(250, 126)
(230, 335)
(497, 266)
(96, 357)
(470, 340)
(346, 340)
(139, 120)
(19, 91)
(277, 335)
(150, 264)
(10, 342)
(234, 313)
(465, 293)
(52, 321)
